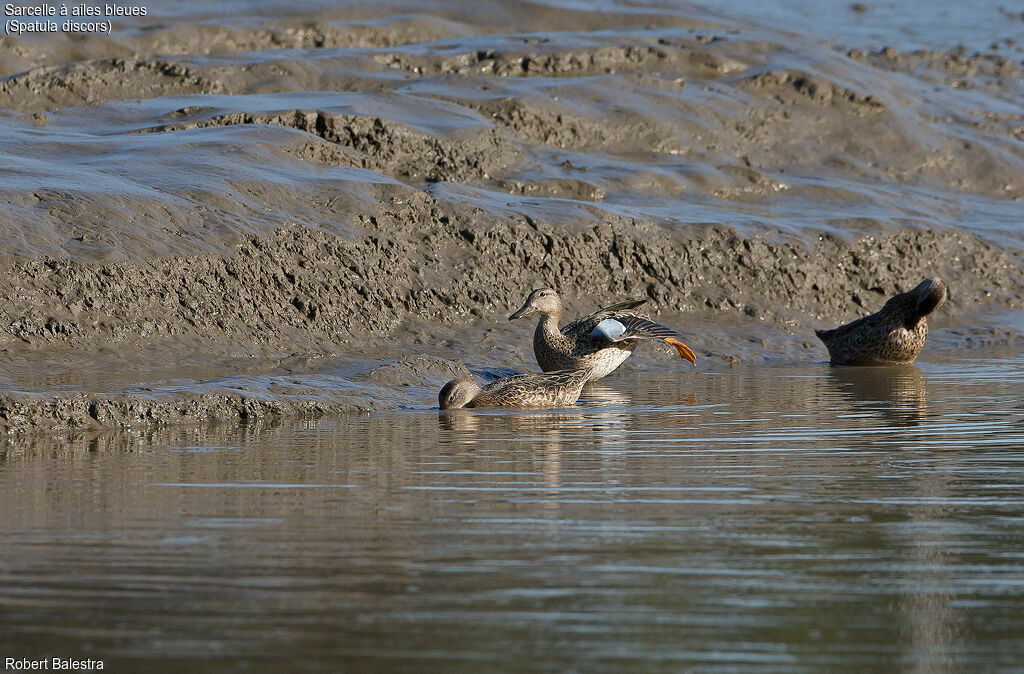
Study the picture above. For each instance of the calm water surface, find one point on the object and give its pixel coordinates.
(789, 518)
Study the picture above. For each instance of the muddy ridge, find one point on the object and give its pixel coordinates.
(302, 288)
(305, 286)
(382, 145)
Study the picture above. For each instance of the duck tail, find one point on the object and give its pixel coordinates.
(685, 352)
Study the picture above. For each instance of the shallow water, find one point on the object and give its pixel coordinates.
(770, 517)
(873, 25)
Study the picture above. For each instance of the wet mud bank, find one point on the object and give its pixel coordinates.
(298, 301)
(212, 217)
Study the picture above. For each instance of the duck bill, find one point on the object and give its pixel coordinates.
(525, 310)
(684, 351)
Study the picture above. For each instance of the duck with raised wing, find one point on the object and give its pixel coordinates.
(893, 336)
(552, 389)
(598, 342)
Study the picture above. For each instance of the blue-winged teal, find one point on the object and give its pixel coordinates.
(553, 389)
(893, 336)
(598, 342)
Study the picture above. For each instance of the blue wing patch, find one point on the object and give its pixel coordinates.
(608, 329)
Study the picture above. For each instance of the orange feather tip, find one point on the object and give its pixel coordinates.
(684, 351)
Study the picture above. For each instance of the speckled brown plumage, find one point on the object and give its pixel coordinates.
(577, 346)
(894, 335)
(552, 389)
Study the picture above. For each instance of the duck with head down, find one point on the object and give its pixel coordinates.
(893, 336)
(599, 342)
(553, 389)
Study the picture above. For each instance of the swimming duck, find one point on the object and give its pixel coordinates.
(893, 336)
(598, 342)
(553, 389)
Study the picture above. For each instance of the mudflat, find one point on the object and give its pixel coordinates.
(213, 215)
(242, 253)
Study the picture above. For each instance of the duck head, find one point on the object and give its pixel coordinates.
(931, 293)
(922, 300)
(457, 393)
(544, 301)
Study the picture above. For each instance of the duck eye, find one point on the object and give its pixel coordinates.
(451, 398)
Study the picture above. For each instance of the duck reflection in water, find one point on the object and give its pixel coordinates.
(900, 392)
(546, 443)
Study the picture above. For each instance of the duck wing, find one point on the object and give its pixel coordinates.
(861, 327)
(624, 327)
(549, 389)
(526, 382)
(586, 325)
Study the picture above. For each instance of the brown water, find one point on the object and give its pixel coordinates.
(775, 517)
